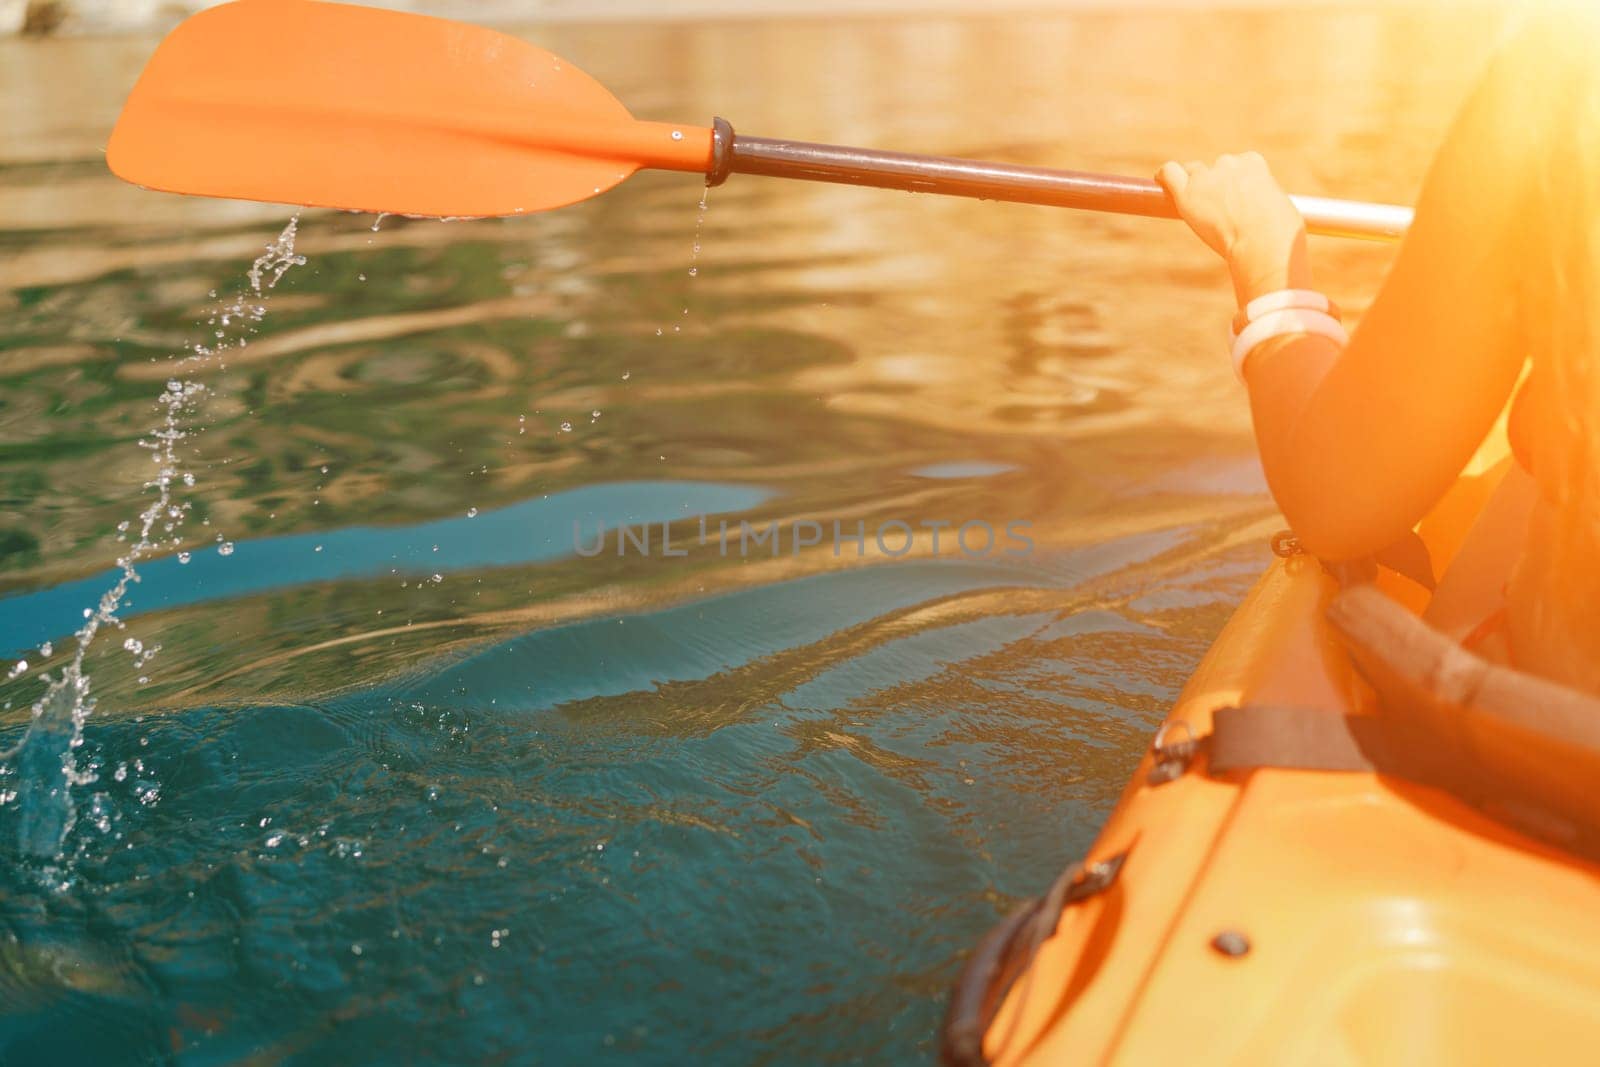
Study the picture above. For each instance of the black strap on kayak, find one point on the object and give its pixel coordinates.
(1522, 748)
(1310, 739)
(1266, 737)
(1005, 954)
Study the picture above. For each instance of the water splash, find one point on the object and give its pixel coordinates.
(694, 254)
(43, 768)
(699, 224)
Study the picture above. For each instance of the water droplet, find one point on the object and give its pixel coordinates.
(628, 373)
(677, 135)
(355, 949)
(472, 513)
(361, 277)
(595, 414)
(693, 271)
(566, 427)
(183, 557)
(225, 549)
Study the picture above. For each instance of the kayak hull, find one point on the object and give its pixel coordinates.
(1289, 916)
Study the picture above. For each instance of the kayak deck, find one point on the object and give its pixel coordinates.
(1380, 921)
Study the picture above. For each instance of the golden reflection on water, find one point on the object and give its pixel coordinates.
(835, 339)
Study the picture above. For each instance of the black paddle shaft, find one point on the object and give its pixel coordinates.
(733, 154)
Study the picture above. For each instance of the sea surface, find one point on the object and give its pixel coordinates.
(434, 761)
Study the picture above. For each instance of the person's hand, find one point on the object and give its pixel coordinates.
(1239, 210)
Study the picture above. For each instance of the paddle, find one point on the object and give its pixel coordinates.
(333, 105)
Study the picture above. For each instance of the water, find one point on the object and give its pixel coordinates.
(43, 765)
(408, 782)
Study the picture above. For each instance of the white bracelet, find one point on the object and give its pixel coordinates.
(1282, 323)
(1283, 300)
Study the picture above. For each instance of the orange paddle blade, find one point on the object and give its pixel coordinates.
(333, 105)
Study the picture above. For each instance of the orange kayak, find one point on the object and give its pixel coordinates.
(1292, 916)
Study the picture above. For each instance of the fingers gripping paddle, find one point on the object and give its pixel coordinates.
(333, 105)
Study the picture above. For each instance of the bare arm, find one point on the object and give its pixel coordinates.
(1359, 445)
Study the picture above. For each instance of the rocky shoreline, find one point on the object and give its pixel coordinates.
(80, 17)
(48, 17)
(75, 17)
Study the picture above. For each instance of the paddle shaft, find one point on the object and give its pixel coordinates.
(737, 154)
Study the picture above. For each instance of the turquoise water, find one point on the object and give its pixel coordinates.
(425, 769)
(566, 524)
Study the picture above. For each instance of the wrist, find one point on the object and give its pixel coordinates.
(1270, 262)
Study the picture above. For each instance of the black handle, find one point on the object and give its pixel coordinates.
(733, 154)
(933, 174)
